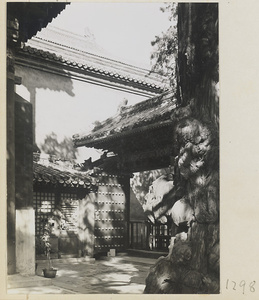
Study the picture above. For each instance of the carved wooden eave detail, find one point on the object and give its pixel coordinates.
(32, 16)
(143, 116)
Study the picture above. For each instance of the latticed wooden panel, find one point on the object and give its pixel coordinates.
(159, 238)
(110, 231)
(44, 204)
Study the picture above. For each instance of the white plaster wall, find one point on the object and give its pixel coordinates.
(67, 106)
(25, 241)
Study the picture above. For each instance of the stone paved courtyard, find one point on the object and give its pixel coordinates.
(113, 275)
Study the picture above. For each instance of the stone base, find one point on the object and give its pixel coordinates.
(25, 241)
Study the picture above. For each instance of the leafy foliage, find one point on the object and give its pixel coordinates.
(164, 55)
(45, 239)
(141, 182)
(64, 150)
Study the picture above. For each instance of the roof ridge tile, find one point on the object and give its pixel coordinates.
(111, 73)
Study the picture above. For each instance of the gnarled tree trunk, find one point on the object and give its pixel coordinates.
(192, 265)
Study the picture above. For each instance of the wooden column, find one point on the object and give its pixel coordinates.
(10, 170)
(12, 35)
(20, 235)
(25, 215)
(23, 153)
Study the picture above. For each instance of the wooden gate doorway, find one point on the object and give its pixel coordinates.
(137, 138)
(111, 213)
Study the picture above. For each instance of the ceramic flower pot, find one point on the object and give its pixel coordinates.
(50, 273)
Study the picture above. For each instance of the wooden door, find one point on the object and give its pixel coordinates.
(111, 213)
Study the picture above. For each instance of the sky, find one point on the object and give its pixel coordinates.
(123, 29)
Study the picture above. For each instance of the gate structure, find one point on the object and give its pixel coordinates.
(111, 213)
(90, 213)
(137, 138)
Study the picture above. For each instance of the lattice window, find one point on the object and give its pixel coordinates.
(69, 207)
(44, 204)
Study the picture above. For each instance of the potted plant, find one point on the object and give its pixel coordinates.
(49, 271)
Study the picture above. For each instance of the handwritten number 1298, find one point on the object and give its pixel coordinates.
(242, 284)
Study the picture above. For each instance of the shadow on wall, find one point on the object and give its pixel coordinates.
(66, 228)
(89, 224)
(33, 79)
(25, 243)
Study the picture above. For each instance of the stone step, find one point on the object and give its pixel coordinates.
(144, 261)
(145, 253)
(68, 259)
(19, 281)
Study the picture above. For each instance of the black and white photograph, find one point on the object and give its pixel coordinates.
(113, 149)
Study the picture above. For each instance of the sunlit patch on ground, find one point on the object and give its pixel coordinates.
(117, 275)
(117, 278)
(67, 272)
(121, 266)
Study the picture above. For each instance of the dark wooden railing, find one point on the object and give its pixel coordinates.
(138, 235)
(146, 236)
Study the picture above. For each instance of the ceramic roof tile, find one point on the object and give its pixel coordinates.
(153, 112)
(33, 16)
(54, 175)
(55, 44)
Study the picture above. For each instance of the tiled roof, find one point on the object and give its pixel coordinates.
(152, 113)
(33, 16)
(53, 37)
(54, 175)
(81, 53)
